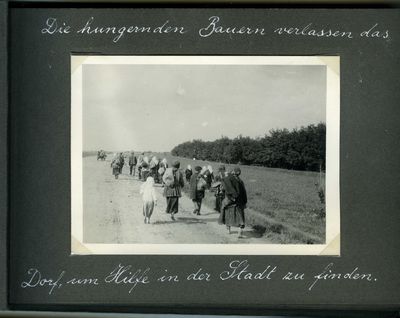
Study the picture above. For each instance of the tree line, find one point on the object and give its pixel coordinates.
(298, 149)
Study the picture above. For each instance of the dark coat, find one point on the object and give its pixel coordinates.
(194, 193)
(132, 160)
(209, 177)
(235, 190)
(188, 174)
(174, 190)
(121, 160)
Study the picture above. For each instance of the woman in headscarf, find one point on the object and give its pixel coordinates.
(139, 165)
(218, 188)
(173, 179)
(197, 188)
(189, 172)
(121, 162)
(208, 174)
(234, 203)
(154, 165)
(149, 198)
(161, 170)
(145, 169)
(115, 165)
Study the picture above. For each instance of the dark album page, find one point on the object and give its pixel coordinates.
(177, 160)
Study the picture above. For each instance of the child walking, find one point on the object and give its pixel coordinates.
(149, 197)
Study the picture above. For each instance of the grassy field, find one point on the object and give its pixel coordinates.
(282, 204)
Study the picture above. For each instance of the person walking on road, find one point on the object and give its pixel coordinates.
(149, 198)
(139, 165)
(162, 169)
(132, 163)
(197, 188)
(115, 165)
(154, 166)
(234, 203)
(121, 162)
(173, 180)
(218, 188)
(188, 173)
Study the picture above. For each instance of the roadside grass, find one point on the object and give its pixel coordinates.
(283, 205)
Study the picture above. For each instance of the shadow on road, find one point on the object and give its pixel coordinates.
(184, 220)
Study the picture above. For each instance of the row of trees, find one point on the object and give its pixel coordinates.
(299, 149)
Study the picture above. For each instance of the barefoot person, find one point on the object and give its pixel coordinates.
(232, 213)
(173, 180)
(149, 198)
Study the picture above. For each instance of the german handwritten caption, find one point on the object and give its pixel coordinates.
(130, 278)
(212, 26)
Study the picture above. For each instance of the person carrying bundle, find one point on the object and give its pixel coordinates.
(197, 188)
(173, 180)
(219, 191)
(234, 203)
(115, 165)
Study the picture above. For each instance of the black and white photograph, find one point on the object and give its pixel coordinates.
(205, 155)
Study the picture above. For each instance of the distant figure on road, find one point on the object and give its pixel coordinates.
(149, 198)
(115, 165)
(139, 165)
(121, 162)
(235, 201)
(218, 188)
(162, 169)
(145, 170)
(101, 155)
(208, 173)
(173, 180)
(197, 188)
(132, 163)
(188, 173)
(154, 166)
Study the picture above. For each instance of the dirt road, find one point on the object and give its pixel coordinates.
(112, 210)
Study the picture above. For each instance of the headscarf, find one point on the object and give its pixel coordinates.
(189, 167)
(210, 168)
(176, 164)
(148, 184)
(198, 169)
(146, 189)
(237, 171)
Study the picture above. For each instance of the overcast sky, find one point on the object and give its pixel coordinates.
(156, 107)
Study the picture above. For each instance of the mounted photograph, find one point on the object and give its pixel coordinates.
(205, 155)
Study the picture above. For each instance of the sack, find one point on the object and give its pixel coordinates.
(201, 184)
(168, 177)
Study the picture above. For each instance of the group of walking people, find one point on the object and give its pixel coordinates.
(144, 165)
(228, 188)
(230, 195)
